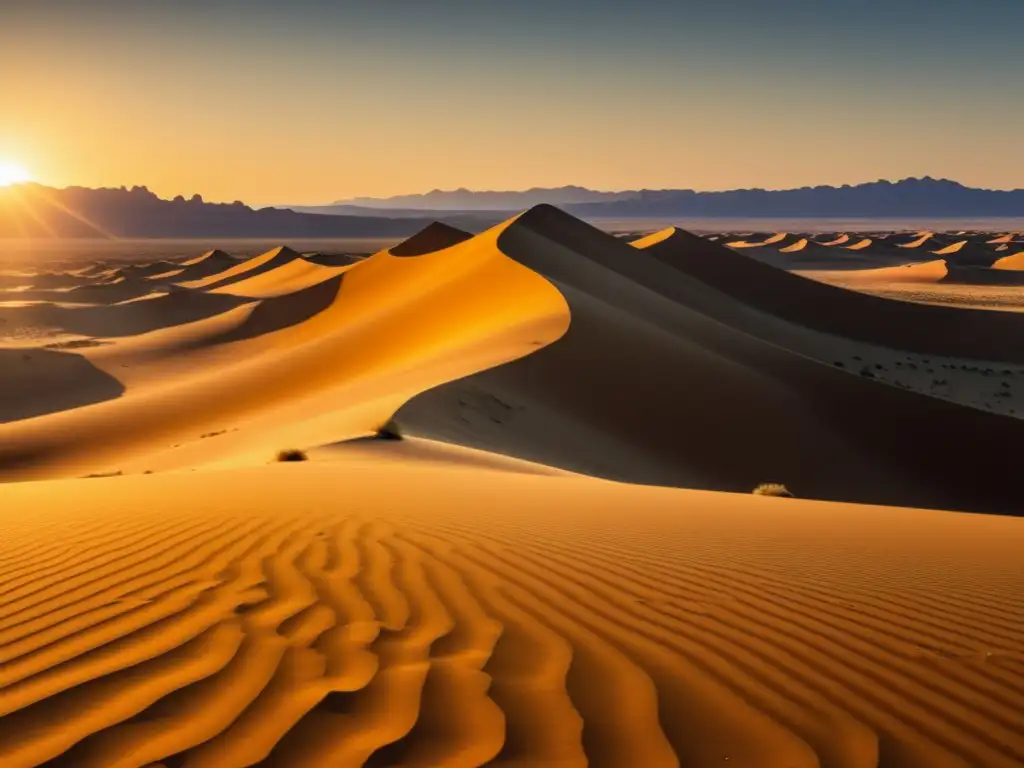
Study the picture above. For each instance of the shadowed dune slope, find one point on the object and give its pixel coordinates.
(662, 380)
(435, 237)
(302, 616)
(917, 328)
(210, 263)
(41, 381)
(332, 259)
(151, 269)
(127, 319)
(118, 289)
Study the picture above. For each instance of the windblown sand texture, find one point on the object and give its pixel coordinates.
(482, 592)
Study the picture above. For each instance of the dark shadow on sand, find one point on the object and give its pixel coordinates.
(38, 382)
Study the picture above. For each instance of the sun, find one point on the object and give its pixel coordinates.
(13, 173)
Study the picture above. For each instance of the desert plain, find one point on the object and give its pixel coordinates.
(559, 561)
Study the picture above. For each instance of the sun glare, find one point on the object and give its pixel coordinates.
(12, 173)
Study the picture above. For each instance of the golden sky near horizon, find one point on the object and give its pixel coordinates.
(271, 108)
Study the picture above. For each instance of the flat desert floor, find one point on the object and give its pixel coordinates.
(560, 562)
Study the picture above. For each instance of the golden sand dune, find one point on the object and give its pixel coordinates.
(918, 242)
(241, 270)
(779, 239)
(795, 247)
(951, 249)
(166, 276)
(311, 369)
(919, 272)
(210, 263)
(860, 245)
(289, 277)
(422, 603)
(924, 273)
(305, 616)
(1012, 262)
(839, 239)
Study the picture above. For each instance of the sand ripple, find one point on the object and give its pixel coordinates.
(290, 628)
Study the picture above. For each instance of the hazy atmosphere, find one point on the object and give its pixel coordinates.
(309, 102)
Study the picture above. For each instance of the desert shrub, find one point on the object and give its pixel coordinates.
(292, 454)
(772, 489)
(867, 373)
(390, 431)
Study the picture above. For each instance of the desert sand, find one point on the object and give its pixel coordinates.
(561, 562)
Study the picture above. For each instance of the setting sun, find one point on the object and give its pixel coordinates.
(12, 173)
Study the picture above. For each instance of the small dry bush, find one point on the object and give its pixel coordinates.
(292, 454)
(773, 489)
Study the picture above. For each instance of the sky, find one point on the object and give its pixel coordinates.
(309, 101)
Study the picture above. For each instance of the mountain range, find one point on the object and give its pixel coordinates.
(35, 211)
(913, 197)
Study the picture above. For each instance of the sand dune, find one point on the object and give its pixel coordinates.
(795, 247)
(99, 292)
(435, 237)
(304, 372)
(919, 272)
(779, 239)
(121, 319)
(1012, 262)
(918, 242)
(471, 598)
(289, 277)
(659, 373)
(951, 249)
(242, 270)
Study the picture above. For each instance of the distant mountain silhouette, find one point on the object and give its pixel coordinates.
(925, 197)
(466, 200)
(32, 210)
